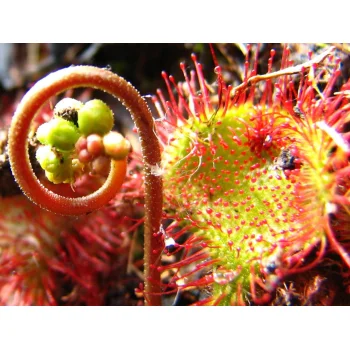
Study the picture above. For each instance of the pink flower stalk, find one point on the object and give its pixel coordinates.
(256, 177)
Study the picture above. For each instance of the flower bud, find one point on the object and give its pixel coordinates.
(101, 165)
(48, 159)
(116, 146)
(94, 144)
(95, 117)
(58, 133)
(63, 174)
(68, 109)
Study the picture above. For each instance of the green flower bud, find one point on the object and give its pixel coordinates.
(42, 132)
(95, 117)
(64, 173)
(58, 133)
(58, 178)
(48, 159)
(68, 109)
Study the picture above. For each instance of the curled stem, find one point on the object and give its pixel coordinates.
(97, 78)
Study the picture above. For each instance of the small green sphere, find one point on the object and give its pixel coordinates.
(64, 173)
(58, 166)
(68, 109)
(48, 159)
(42, 132)
(95, 117)
(64, 176)
(58, 133)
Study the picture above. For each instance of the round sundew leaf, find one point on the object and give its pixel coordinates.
(95, 117)
(240, 201)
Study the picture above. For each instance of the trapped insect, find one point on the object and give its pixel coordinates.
(286, 160)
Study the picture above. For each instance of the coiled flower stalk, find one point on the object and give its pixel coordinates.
(93, 77)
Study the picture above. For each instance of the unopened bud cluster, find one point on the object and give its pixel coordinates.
(79, 140)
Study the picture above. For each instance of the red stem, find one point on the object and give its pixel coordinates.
(93, 77)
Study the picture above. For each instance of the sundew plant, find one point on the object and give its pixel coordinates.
(239, 194)
(255, 176)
